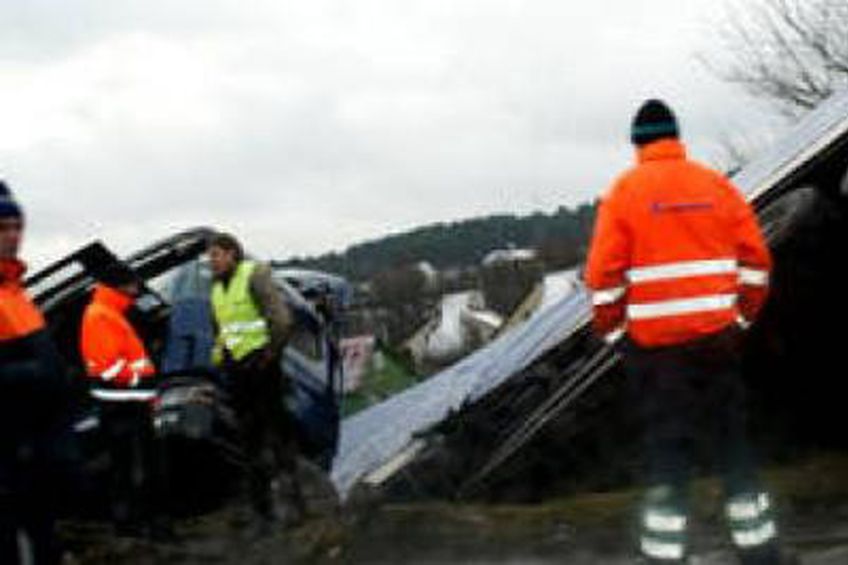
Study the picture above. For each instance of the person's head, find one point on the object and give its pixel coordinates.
(653, 121)
(122, 279)
(225, 254)
(131, 288)
(11, 224)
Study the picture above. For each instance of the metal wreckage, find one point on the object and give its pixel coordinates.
(544, 408)
(192, 414)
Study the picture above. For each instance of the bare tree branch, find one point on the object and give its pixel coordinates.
(793, 53)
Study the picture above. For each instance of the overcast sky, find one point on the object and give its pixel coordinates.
(307, 126)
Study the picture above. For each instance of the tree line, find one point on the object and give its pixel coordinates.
(560, 238)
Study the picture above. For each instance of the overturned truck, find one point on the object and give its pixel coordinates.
(545, 408)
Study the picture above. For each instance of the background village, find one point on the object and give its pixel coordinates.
(407, 320)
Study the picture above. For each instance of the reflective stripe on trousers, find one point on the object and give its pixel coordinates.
(663, 534)
(750, 519)
(663, 550)
(664, 524)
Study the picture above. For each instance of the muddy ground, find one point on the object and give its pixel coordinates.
(592, 528)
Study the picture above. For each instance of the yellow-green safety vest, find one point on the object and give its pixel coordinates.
(241, 327)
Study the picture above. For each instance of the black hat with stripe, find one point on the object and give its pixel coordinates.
(653, 121)
(9, 208)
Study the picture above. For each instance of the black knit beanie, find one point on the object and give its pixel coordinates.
(8, 207)
(653, 121)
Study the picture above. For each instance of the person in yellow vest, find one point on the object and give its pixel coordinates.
(253, 324)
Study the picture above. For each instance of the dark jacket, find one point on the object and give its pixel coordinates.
(36, 391)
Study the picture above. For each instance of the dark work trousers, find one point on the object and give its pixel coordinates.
(138, 470)
(33, 478)
(689, 393)
(267, 429)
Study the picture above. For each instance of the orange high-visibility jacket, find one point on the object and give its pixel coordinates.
(114, 355)
(18, 315)
(677, 253)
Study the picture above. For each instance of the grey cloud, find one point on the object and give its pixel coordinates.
(308, 126)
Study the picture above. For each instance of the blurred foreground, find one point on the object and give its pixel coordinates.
(590, 528)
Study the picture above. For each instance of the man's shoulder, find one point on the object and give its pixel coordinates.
(623, 184)
(261, 267)
(261, 271)
(676, 171)
(262, 280)
(94, 311)
(706, 170)
(719, 181)
(101, 313)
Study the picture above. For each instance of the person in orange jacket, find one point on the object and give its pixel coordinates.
(122, 381)
(115, 357)
(36, 392)
(678, 269)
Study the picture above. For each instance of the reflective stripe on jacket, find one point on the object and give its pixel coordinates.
(112, 351)
(677, 253)
(241, 327)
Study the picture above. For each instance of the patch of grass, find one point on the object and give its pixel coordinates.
(391, 377)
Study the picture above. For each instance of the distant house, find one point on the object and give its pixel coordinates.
(459, 325)
(357, 358)
(550, 290)
(482, 325)
(507, 275)
(431, 274)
